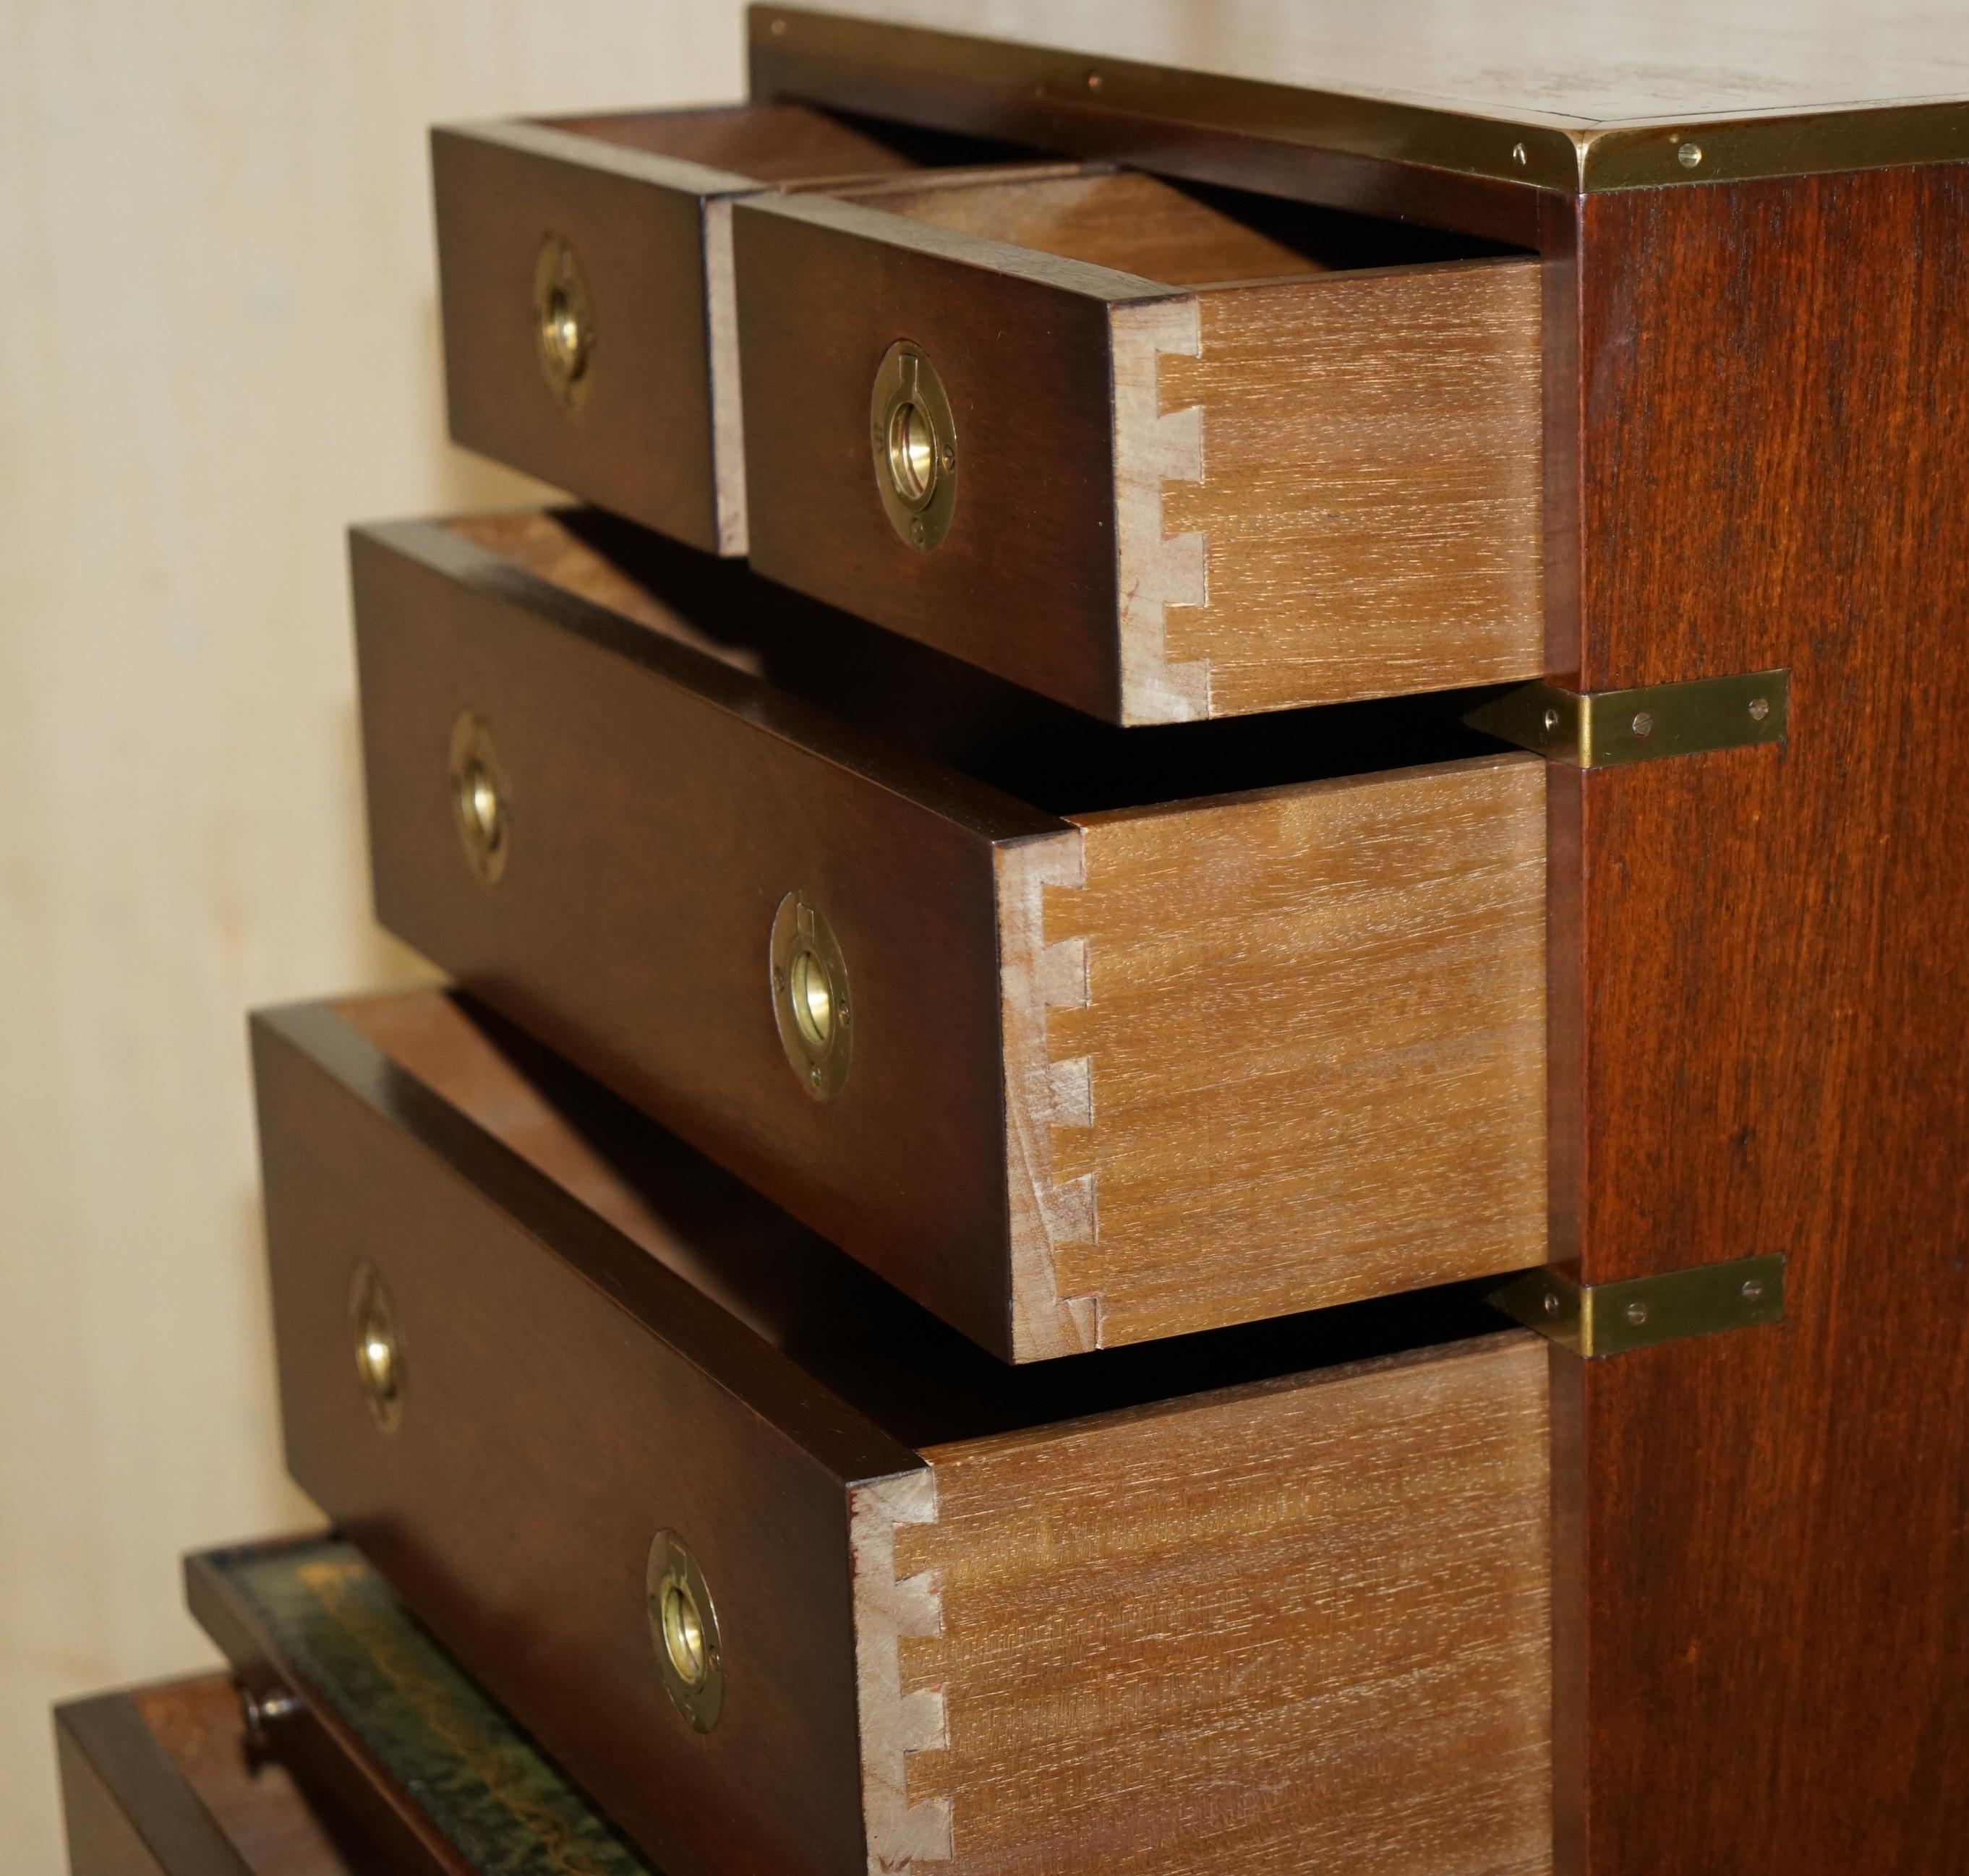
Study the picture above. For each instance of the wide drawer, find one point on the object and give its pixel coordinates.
(1070, 1078)
(157, 1782)
(585, 275)
(788, 1576)
(1162, 453)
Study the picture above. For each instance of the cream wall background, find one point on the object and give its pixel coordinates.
(218, 342)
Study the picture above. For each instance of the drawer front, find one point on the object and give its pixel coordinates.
(1300, 1621)
(585, 296)
(585, 275)
(1163, 504)
(536, 1434)
(1150, 1071)
(656, 827)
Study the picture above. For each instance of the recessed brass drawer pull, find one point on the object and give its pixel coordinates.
(915, 440)
(683, 1624)
(563, 321)
(480, 798)
(816, 1021)
(379, 1354)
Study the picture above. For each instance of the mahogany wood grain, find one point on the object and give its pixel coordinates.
(156, 1782)
(573, 1381)
(1763, 1652)
(1170, 504)
(666, 792)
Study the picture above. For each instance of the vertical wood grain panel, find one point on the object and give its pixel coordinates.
(1773, 1002)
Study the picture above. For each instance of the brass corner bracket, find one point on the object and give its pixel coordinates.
(1603, 729)
(1643, 1312)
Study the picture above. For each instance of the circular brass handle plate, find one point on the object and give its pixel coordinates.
(378, 1346)
(481, 801)
(914, 438)
(810, 1000)
(683, 1626)
(563, 322)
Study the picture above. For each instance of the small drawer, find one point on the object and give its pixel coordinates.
(585, 276)
(1161, 453)
(157, 1781)
(969, 983)
(789, 1576)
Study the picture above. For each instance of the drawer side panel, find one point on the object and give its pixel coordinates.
(1300, 1628)
(1312, 1041)
(1366, 504)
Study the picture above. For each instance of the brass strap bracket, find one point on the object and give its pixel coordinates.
(1644, 1312)
(1601, 729)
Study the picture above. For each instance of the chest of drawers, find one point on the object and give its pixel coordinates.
(1274, 1177)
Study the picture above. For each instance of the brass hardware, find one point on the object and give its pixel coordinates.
(563, 321)
(1690, 156)
(1643, 1312)
(1602, 729)
(810, 1006)
(481, 801)
(379, 1347)
(683, 1624)
(915, 441)
(1016, 88)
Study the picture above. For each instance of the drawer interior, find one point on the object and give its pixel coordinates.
(1180, 234)
(779, 143)
(916, 1378)
(940, 709)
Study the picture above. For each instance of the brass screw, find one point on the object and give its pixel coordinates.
(1637, 1314)
(1643, 724)
(1551, 721)
(1552, 1302)
(1753, 1288)
(1093, 81)
(1518, 155)
(1760, 708)
(779, 29)
(1689, 156)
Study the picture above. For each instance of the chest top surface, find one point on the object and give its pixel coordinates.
(1601, 93)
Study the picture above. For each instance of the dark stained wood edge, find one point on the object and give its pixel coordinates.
(103, 1739)
(317, 1746)
(983, 88)
(552, 143)
(832, 1434)
(969, 804)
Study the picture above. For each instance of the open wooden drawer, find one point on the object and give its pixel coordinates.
(345, 1742)
(585, 274)
(1159, 452)
(156, 1781)
(787, 1575)
(1080, 1036)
